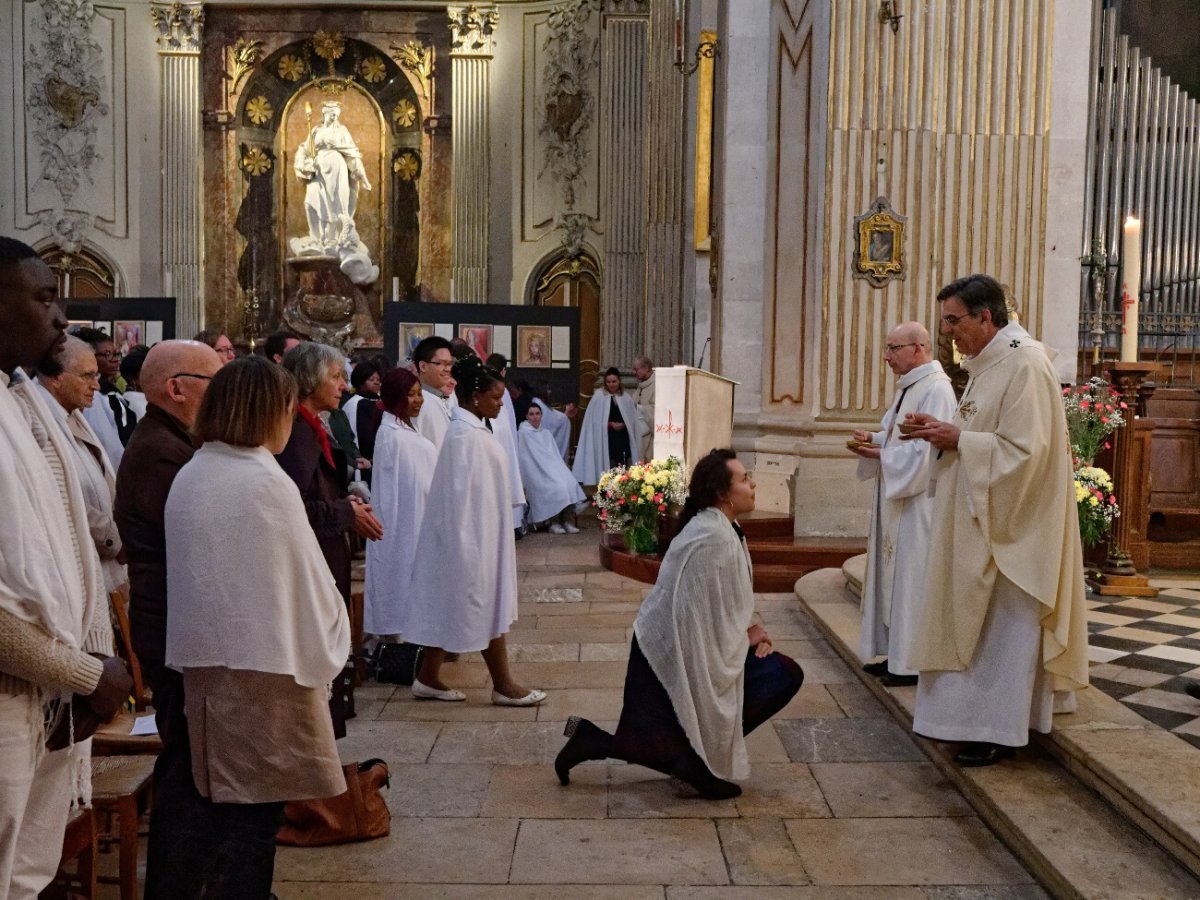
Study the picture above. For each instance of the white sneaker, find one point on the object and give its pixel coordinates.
(569, 528)
(557, 529)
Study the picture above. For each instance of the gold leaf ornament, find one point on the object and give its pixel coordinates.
(291, 68)
(256, 162)
(405, 114)
(328, 44)
(373, 69)
(406, 166)
(259, 110)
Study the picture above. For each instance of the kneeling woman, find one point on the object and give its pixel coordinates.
(700, 675)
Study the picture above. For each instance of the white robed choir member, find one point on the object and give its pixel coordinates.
(550, 487)
(558, 425)
(402, 472)
(504, 427)
(436, 420)
(592, 456)
(1003, 621)
(901, 510)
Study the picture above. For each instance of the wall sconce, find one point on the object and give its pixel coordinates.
(704, 50)
(889, 14)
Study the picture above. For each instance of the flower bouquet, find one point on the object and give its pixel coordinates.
(631, 498)
(1096, 503)
(1094, 411)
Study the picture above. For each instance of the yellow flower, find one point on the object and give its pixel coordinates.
(405, 114)
(407, 167)
(1092, 501)
(256, 162)
(259, 110)
(291, 67)
(373, 69)
(648, 491)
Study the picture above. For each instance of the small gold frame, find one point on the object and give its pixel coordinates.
(879, 244)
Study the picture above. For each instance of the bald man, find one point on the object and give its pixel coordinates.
(898, 542)
(174, 378)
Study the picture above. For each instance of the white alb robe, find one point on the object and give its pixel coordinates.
(1004, 555)
(402, 472)
(591, 456)
(898, 542)
(558, 425)
(464, 587)
(549, 485)
(103, 419)
(435, 416)
(643, 397)
(504, 426)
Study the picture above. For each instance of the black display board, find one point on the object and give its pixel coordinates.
(130, 320)
(541, 343)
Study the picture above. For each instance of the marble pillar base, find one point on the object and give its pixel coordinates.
(328, 306)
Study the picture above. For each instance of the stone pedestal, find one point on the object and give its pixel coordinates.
(329, 307)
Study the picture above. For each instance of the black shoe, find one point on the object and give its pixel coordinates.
(979, 754)
(1192, 689)
(876, 669)
(691, 771)
(890, 680)
(587, 741)
(518, 533)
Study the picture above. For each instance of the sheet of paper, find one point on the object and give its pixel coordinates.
(144, 725)
(444, 330)
(502, 341)
(560, 343)
(154, 330)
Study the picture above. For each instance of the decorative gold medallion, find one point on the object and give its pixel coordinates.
(406, 166)
(256, 162)
(373, 69)
(292, 68)
(259, 110)
(329, 44)
(405, 114)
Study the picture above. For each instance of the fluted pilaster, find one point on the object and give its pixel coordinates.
(623, 194)
(471, 48)
(666, 181)
(180, 27)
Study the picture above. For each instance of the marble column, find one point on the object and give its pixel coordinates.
(180, 26)
(622, 177)
(666, 329)
(471, 49)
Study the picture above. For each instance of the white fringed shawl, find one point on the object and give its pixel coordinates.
(692, 631)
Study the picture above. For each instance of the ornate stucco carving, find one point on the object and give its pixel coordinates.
(64, 99)
(416, 58)
(472, 29)
(243, 56)
(568, 108)
(180, 25)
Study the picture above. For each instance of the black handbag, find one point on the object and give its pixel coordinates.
(396, 663)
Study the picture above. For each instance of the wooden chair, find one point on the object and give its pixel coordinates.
(119, 603)
(121, 788)
(114, 738)
(79, 845)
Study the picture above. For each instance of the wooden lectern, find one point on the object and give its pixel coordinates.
(693, 413)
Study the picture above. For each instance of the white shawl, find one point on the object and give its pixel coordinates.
(558, 425)
(401, 474)
(591, 456)
(40, 579)
(435, 416)
(692, 630)
(504, 427)
(549, 485)
(248, 584)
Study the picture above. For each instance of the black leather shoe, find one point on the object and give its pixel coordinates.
(1193, 689)
(691, 771)
(876, 669)
(983, 754)
(587, 741)
(890, 680)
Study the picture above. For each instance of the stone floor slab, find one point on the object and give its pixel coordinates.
(812, 701)
(393, 891)
(638, 793)
(812, 892)
(533, 792)
(395, 742)
(590, 703)
(478, 707)
(856, 701)
(616, 651)
(892, 789)
(781, 790)
(675, 851)
(498, 743)
(443, 791)
(957, 850)
(759, 851)
(846, 740)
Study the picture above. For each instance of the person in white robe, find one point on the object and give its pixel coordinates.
(702, 673)
(403, 465)
(433, 363)
(68, 384)
(504, 426)
(550, 488)
(258, 644)
(559, 426)
(901, 510)
(611, 432)
(1003, 622)
(464, 596)
(643, 398)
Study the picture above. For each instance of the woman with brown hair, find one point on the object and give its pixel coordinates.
(258, 629)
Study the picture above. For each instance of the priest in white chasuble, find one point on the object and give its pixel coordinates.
(901, 509)
(1002, 626)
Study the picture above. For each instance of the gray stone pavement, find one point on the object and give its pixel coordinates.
(841, 803)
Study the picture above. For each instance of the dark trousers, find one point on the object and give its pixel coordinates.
(197, 848)
(649, 733)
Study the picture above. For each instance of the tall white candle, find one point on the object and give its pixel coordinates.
(1131, 280)
(396, 288)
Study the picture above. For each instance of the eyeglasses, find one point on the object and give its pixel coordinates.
(107, 354)
(893, 349)
(86, 376)
(954, 320)
(192, 375)
(440, 364)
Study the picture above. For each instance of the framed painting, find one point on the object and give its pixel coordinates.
(478, 338)
(411, 334)
(533, 347)
(879, 244)
(128, 334)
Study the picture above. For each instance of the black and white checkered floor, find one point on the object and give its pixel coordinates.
(1143, 652)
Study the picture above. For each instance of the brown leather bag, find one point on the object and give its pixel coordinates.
(359, 814)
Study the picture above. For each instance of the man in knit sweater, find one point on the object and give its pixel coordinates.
(55, 638)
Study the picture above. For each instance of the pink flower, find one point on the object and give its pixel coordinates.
(662, 507)
(621, 502)
(1066, 392)
(1112, 498)
(1123, 406)
(1107, 445)
(1083, 404)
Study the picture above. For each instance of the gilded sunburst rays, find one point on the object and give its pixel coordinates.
(405, 114)
(373, 69)
(256, 161)
(292, 68)
(259, 110)
(407, 166)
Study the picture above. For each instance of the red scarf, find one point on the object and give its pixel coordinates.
(322, 437)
